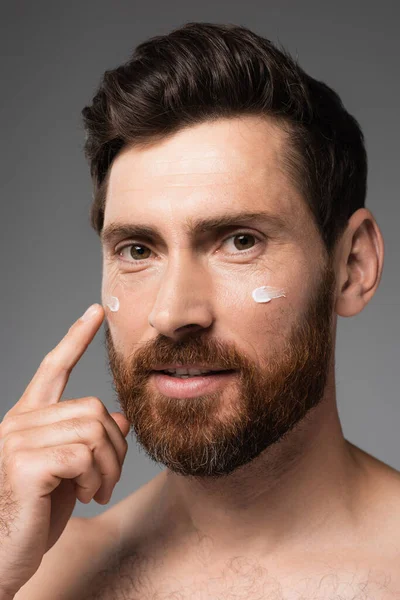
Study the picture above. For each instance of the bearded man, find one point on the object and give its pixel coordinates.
(229, 199)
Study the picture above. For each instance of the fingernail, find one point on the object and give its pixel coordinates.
(90, 313)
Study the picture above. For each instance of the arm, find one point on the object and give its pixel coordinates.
(59, 565)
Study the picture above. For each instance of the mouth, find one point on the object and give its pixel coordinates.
(182, 376)
(190, 386)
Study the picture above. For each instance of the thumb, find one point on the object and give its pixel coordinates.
(122, 422)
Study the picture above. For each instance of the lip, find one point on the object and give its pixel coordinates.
(192, 366)
(173, 387)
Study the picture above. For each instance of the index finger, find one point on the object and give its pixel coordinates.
(49, 381)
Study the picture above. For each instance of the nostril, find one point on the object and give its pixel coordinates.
(188, 326)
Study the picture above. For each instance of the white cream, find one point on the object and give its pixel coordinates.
(266, 293)
(262, 294)
(113, 303)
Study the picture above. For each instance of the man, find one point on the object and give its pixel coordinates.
(222, 171)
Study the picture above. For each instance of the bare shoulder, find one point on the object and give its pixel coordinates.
(382, 484)
(379, 508)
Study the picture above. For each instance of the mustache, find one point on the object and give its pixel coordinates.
(190, 350)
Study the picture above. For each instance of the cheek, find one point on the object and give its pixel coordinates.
(255, 306)
(264, 305)
(125, 309)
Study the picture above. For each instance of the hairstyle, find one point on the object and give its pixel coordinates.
(203, 71)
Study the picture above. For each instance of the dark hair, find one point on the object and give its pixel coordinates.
(204, 71)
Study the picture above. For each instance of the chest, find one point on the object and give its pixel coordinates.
(240, 578)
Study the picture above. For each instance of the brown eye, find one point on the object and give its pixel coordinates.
(136, 251)
(244, 240)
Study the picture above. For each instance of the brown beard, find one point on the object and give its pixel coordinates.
(214, 434)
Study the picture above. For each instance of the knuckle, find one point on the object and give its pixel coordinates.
(52, 362)
(97, 431)
(49, 361)
(64, 455)
(86, 456)
(96, 406)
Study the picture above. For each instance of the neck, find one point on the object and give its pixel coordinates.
(305, 484)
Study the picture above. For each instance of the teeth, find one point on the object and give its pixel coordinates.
(189, 372)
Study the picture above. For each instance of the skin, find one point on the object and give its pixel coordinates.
(314, 489)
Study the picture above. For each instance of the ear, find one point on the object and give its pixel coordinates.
(358, 263)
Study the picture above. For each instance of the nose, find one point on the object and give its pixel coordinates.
(183, 300)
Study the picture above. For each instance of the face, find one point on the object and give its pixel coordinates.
(195, 286)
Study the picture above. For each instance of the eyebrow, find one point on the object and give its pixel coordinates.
(192, 227)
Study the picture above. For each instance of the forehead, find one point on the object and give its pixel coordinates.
(224, 164)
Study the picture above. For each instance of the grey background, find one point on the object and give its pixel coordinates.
(52, 57)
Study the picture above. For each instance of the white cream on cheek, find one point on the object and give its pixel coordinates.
(113, 303)
(261, 294)
(266, 293)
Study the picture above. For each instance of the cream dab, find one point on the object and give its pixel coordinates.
(113, 303)
(266, 293)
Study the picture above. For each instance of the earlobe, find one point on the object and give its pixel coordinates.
(361, 263)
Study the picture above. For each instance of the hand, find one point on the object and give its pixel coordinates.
(51, 454)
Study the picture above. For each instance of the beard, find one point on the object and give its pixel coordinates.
(212, 435)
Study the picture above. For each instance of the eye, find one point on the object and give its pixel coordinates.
(139, 251)
(136, 251)
(244, 239)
